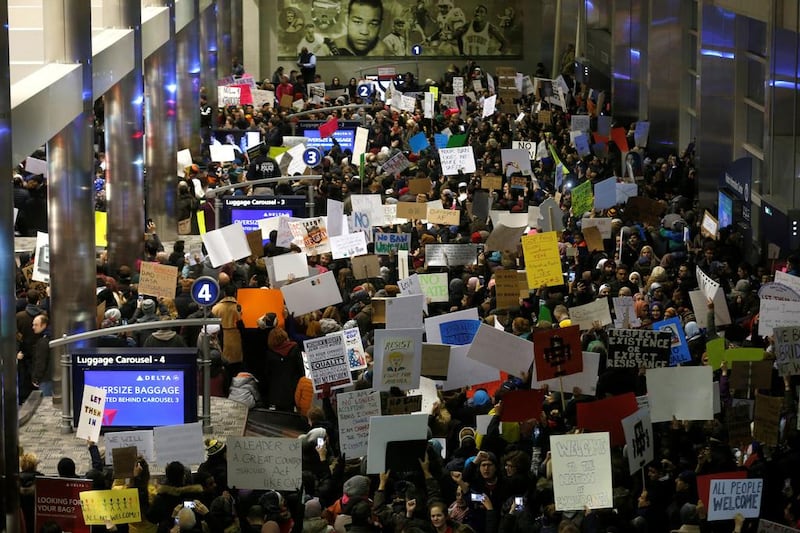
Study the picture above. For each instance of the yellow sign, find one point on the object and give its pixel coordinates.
(542, 260)
(716, 352)
(115, 506)
(100, 225)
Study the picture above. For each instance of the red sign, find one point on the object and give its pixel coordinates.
(522, 405)
(58, 500)
(607, 415)
(557, 352)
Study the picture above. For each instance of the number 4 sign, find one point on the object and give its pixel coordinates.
(638, 439)
(205, 291)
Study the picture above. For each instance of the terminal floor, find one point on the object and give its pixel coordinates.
(42, 433)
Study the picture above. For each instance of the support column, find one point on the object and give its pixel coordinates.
(160, 130)
(224, 54)
(208, 56)
(9, 456)
(68, 30)
(124, 130)
(188, 72)
(237, 34)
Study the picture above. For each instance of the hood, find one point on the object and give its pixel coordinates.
(284, 348)
(243, 378)
(164, 335)
(180, 491)
(33, 310)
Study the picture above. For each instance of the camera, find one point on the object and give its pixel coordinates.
(188, 504)
(320, 441)
(477, 497)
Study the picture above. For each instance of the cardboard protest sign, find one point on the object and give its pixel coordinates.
(594, 240)
(265, 463)
(748, 376)
(403, 405)
(491, 182)
(157, 280)
(542, 259)
(327, 361)
(57, 499)
(457, 328)
(366, 266)
(447, 217)
(503, 238)
(606, 414)
(458, 159)
(501, 350)
(354, 410)
(385, 429)
(507, 289)
(522, 405)
(182, 442)
(709, 227)
(767, 419)
(787, 350)
(256, 303)
(397, 358)
(585, 316)
(638, 348)
(683, 392)
(91, 415)
(412, 210)
(585, 380)
(738, 419)
(386, 243)
(434, 287)
(638, 439)
(679, 349)
(557, 352)
(729, 497)
(116, 506)
(581, 471)
(142, 440)
(124, 460)
(451, 255)
(313, 293)
(254, 241)
(435, 360)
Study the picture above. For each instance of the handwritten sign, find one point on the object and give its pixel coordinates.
(457, 159)
(327, 360)
(91, 416)
(434, 286)
(542, 259)
(412, 210)
(581, 471)
(448, 217)
(181, 442)
(451, 254)
(639, 439)
(398, 358)
(638, 348)
(775, 314)
(403, 405)
(264, 463)
(354, 410)
(435, 361)
(158, 280)
(787, 350)
(729, 497)
(350, 245)
(586, 315)
(386, 243)
(115, 506)
(142, 440)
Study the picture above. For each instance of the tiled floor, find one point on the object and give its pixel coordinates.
(42, 434)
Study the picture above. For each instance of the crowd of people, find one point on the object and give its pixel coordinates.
(499, 480)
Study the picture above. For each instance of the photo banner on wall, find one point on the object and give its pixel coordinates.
(340, 28)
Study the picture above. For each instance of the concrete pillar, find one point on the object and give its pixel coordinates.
(237, 34)
(9, 456)
(160, 132)
(188, 72)
(208, 55)
(224, 53)
(124, 131)
(67, 30)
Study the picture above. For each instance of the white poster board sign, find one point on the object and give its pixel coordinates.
(384, 429)
(729, 497)
(638, 439)
(582, 471)
(91, 418)
(501, 350)
(455, 159)
(354, 410)
(265, 463)
(183, 442)
(684, 392)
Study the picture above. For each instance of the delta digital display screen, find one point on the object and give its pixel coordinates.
(725, 211)
(346, 139)
(248, 210)
(145, 387)
(249, 218)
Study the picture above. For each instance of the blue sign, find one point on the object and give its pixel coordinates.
(416, 50)
(205, 291)
(679, 348)
(364, 90)
(312, 157)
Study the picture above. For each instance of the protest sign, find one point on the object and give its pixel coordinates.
(356, 358)
(256, 303)
(403, 405)
(397, 358)
(447, 217)
(603, 225)
(435, 360)
(386, 243)
(710, 226)
(313, 293)
(605, 194)
(405, 311)
(738, 419)
(491, 182)
(716, 352)
(788, 280)
(463, 371)
(57, 501)
(313, 235)
(419, 186)
(141, 439)
(41, 266)
(384, 429)
(585, 380)
(354, 410)
(581, 471)
(606, 414)
(370, 204)
(458, 159)
(767, 419)
(91, 415)
(115, 506)
(557, 352)
(748, 376)
(157, 280)
(679, 349)
(507, 289)
(787, 350)
(638, 348)
(638, 439)
(641, 133)
(289, 266)
(522, 405)
(412, 210)
(226, 244)
(503, 238)
(542, 259)
(395, 164)
(712, 290)
(451, 255)
(350, 245)
(183, 442)
(501, 350)
(585, 316)
(265, 463)
(682, 391)
(582, 199)
(776, 314)
(434, 286)
(327, 361)
(516, 161)
(124, 460)
(625, 313)
(366, 266)
(729, 497)
(456, 328)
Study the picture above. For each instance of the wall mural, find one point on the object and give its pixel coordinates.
(388, 28)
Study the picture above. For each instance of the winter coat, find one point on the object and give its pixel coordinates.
(244, 389)
(284, 367)
(167, 498)
(164, 338)
(227, 310)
